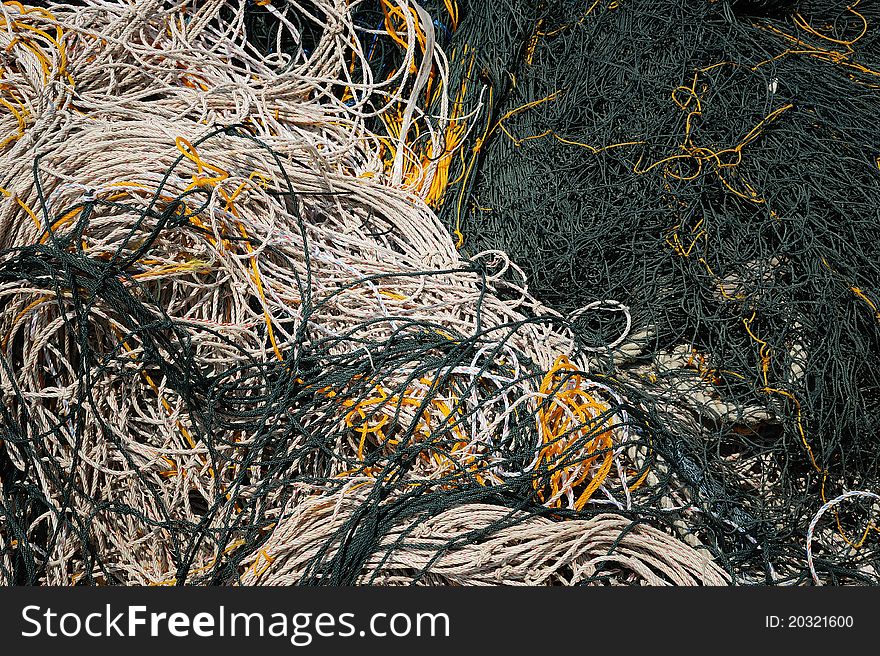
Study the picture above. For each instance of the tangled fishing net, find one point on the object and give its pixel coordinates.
(451, 293)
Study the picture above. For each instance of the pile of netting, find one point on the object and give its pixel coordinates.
(336, 292)
(714, 166)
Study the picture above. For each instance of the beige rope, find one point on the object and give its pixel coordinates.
(531, 551)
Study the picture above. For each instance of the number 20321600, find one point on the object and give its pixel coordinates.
(808, 622)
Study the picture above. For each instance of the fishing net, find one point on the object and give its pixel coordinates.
(454, 293)
(714, 167)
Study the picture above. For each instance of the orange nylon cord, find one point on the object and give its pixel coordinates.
(393, 13)
(189, 151)
(802, 23)
(452, 9)
(571, 417)
(362, 419)
(596, 149)
(29, 211)
(811, 50)
(765, 354)
(861, 295)
(699, 155)
(20, 118)
(259, 283)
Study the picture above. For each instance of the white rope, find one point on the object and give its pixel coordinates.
(825, 508)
